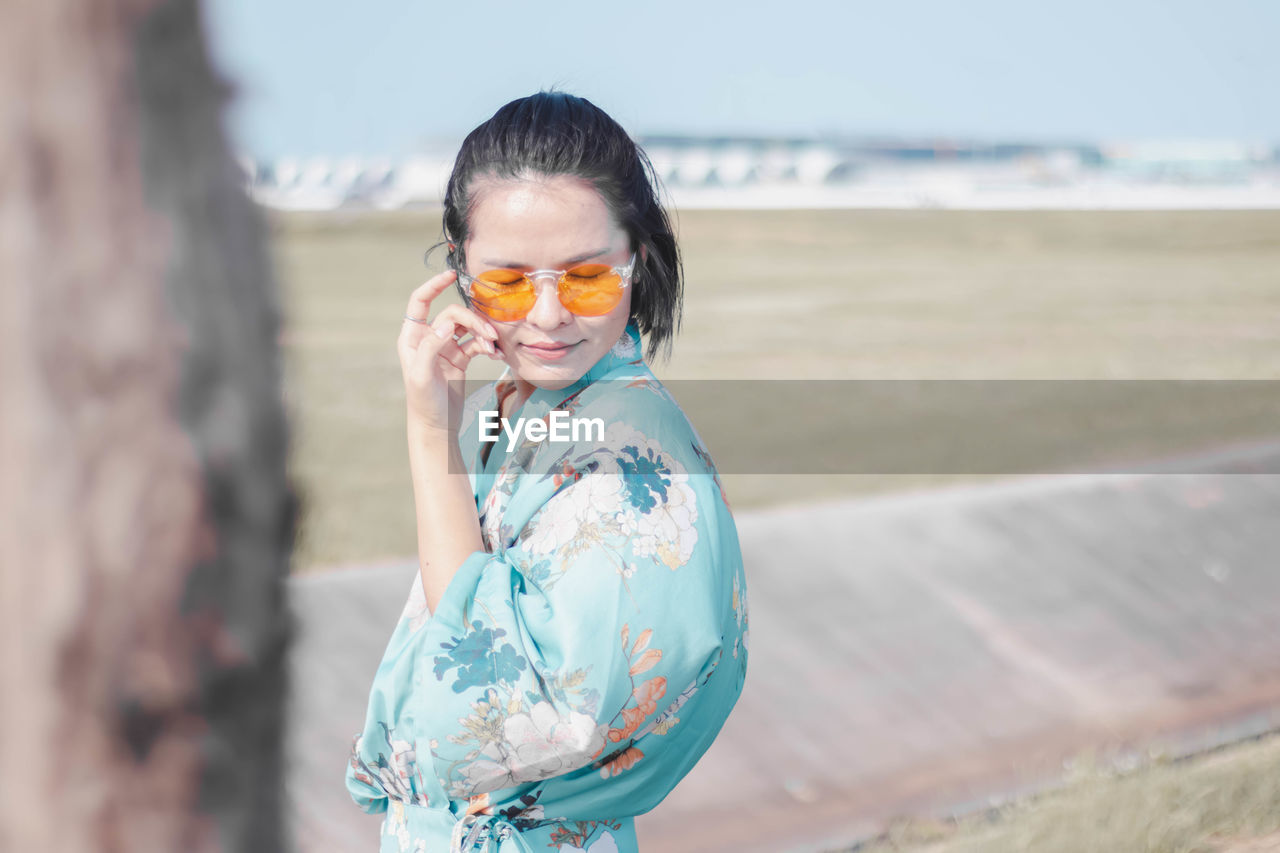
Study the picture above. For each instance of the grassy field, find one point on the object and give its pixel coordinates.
(788, 295)
(1226, 801)
(842, 295)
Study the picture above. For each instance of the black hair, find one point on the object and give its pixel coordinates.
(554, 133)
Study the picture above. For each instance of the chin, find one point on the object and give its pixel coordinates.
(555, 374)
(549, 378)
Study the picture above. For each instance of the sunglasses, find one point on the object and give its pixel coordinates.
(588, 290)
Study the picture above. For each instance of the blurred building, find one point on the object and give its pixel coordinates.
(746, 171)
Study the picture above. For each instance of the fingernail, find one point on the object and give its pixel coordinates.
(493, 333)
(488, 346)
(444, 334)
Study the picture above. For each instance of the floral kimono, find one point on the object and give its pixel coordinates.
(578, 667)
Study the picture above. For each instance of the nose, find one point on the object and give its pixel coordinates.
(547, 311)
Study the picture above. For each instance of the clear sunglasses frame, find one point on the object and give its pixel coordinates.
(465, 280)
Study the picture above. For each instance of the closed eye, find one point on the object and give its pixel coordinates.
(590, 272)
(501, 277)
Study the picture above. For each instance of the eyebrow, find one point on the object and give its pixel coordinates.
(575, 260)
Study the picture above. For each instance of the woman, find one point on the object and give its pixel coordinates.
(576, 635)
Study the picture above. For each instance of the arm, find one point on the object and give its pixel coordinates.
(434, 365)
(448, 526)
(581, 649)
(553, 655)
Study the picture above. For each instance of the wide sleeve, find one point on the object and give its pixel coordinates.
(606, 595)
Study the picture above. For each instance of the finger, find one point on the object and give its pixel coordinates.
(458, 320)
(439, 344)
(457, 335)
(419, 360)
(419, 307)
(456, 356)
(474, 347)
(455, 361)
(420, 300)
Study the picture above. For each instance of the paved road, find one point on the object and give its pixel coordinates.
(913, 654)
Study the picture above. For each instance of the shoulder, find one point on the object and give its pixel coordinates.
(637, 408)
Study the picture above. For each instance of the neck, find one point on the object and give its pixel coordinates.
(524, 390)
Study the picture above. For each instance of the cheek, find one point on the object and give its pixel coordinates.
(620, 314)
(506, 338)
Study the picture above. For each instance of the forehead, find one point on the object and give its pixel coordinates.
(539, 220)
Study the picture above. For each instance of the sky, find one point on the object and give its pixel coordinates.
(390, 77)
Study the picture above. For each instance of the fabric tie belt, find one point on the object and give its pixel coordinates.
(470, 833)
(474, 833)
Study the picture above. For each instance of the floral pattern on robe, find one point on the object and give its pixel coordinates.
(577, 668)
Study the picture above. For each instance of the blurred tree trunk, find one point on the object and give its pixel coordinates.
(146, 516)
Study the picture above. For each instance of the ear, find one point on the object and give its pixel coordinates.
(644, 253)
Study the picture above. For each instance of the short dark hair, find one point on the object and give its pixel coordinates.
(554, 133)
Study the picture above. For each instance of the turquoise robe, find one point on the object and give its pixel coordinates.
(578, 667)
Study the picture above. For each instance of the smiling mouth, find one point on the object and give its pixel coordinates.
(547, 354)
(551, 348)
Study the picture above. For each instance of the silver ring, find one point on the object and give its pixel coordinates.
(415, 319)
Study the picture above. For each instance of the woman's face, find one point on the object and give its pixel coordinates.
(548, 223)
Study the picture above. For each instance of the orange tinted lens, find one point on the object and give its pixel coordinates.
(591, 289)
(504, 295)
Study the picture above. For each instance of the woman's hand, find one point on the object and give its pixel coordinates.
(434, 361)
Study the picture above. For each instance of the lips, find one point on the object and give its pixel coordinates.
(549, 352)
(550, 347)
